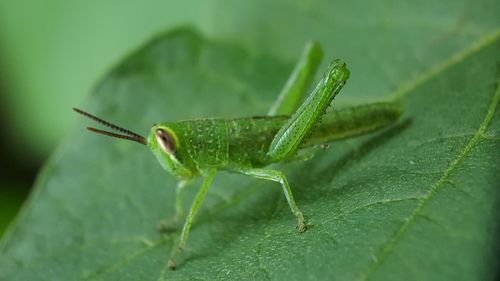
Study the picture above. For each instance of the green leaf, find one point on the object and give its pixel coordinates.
(416, 201)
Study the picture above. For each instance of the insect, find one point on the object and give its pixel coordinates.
(200, 147)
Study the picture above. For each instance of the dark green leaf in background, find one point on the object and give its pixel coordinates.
(418, 201)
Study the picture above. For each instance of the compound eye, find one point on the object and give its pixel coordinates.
(165, 140)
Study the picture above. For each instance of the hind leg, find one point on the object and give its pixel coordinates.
(295, 88)
(278, 176)
(292, 133)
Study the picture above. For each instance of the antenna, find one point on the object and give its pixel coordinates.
(127, 134)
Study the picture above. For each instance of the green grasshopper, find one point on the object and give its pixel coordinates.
(201, 147)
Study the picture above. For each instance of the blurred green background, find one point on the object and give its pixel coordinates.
(51, 54)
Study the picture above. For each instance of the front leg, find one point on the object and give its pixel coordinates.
(172, 224)
(179, 200)
(278, 176)
(198, 200)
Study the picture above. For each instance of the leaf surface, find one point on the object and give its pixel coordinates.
(419, 200)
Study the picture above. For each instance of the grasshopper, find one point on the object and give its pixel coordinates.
(200, 147)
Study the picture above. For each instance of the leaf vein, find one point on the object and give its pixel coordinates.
(436, 69)
(478, 136)
(123, 260)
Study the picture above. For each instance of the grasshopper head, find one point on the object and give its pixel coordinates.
(164, 143)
